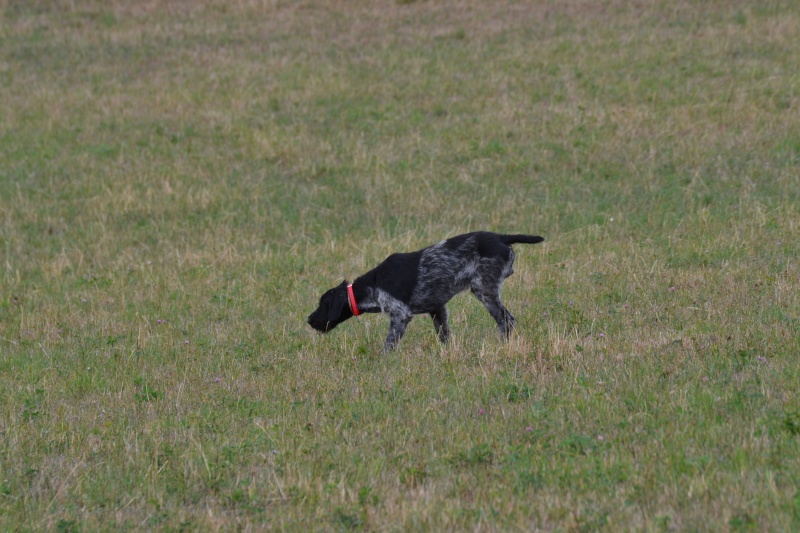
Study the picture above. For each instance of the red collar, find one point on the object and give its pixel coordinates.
(352, 300)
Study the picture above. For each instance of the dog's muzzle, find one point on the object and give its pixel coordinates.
(318, 325)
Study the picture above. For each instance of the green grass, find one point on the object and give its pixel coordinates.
(180, 182)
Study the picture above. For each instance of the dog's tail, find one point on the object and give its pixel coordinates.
(526, 239)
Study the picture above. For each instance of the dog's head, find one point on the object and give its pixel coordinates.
(333, 309)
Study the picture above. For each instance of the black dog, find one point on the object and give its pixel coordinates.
(423, 282)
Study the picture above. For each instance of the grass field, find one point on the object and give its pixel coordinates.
(180, 182)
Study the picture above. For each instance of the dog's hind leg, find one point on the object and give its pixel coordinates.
(490, 298)
(439, 317)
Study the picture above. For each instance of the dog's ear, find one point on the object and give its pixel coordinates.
(338, 303)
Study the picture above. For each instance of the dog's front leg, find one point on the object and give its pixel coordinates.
(397, 327)
(439, 317)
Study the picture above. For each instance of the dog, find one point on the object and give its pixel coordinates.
(407, 284)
